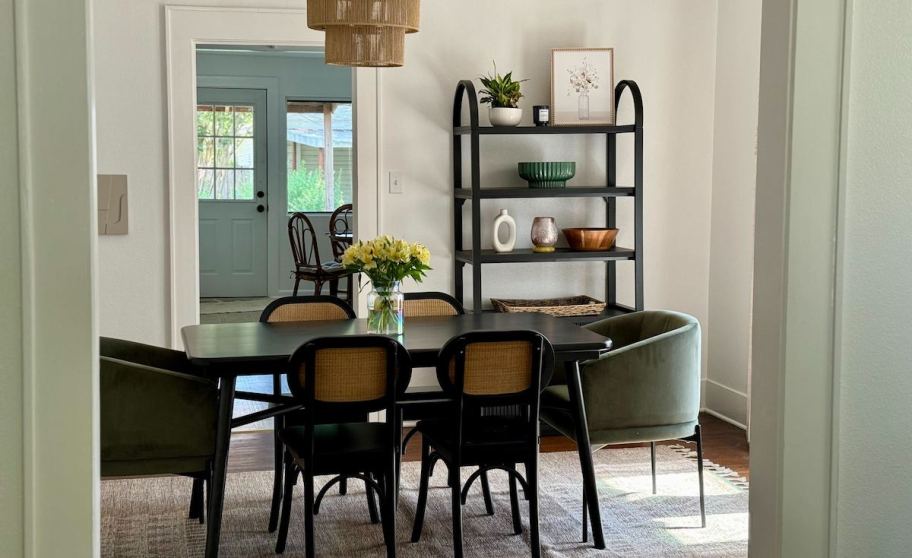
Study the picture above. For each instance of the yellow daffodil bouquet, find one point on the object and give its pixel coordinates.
(387, 261)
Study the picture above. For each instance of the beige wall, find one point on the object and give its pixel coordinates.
(873, 493)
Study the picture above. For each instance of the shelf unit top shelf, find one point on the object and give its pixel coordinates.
(546, 130)
(526, 192)
(559, 255)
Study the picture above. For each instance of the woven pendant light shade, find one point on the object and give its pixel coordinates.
(364, 32)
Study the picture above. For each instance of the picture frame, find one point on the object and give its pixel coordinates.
(582, 86)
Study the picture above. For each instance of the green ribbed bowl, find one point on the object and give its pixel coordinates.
(547, 174)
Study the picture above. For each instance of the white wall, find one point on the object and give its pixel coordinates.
(734, 185)
(668, 47)
(873, 493)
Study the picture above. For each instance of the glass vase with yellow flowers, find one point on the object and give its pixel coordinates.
(387, 261)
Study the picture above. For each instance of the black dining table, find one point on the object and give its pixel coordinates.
(255, 348)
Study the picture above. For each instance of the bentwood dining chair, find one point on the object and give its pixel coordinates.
(340, 238)
(158, 415)
(360, 374)
(306, 254)
(435, 304)
(295, 309)
(647, 389)
(481, 371)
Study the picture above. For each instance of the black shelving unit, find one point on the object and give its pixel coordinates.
(610, 192)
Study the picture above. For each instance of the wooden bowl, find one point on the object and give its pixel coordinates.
(590, 239)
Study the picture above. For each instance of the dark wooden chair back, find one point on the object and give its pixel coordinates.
(350, 374)
(307, 309)
(427, 304)
(487, 370)
(340, 222)
(303, 239)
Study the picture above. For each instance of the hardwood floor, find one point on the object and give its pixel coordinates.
(723, 444)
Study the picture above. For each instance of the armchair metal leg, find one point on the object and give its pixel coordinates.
(343, 486)
(585, 518)
(652, 456)
(699, 436)
(196, 500)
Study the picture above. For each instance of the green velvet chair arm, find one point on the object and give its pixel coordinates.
(149, 355)
(622, 330)
(651, 382)
(150, 413)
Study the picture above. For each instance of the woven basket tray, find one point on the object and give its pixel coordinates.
(569, 306)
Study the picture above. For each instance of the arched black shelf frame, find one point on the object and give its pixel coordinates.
(610, 192)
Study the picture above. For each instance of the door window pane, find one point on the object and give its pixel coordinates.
(225, 144)
(319, 155)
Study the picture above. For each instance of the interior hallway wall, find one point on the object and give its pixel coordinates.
(731, 269)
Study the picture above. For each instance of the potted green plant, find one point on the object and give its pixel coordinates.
(503, 94)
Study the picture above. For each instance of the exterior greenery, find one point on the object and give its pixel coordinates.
(307, 190)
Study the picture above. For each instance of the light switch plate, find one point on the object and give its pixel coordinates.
(395, 182)
(112, 204)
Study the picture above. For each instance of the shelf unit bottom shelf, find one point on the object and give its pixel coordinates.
(610, 311)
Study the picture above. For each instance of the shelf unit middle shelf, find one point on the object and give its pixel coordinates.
(530, 193)
(559, 255)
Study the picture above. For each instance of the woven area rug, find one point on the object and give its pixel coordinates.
(147, 517)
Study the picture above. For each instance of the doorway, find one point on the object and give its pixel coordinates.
(274, 136)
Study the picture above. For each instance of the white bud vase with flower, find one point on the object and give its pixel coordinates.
(387, 261)
(583, 79)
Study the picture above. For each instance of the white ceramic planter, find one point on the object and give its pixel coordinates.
(504, 218)
(504, 116)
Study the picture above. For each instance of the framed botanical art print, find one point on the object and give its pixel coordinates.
(582, 86)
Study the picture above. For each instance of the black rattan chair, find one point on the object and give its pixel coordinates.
(484, 371)
(332, 375)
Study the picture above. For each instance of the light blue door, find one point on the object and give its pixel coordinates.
(232, 192)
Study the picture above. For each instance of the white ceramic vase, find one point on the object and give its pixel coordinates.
(504, 116)
(504, 218)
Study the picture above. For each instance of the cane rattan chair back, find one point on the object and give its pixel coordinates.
(419, 305)
(307, 309)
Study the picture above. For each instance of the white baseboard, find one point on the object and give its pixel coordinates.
(725, 403)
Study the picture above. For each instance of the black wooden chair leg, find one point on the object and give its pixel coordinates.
(278, 453)
(455, 489)
(514, 505)
(196, 500)
(334, 287)
(422, 491)
(486, 493)
(585, 518)
(309, 547)
(389, 516)
(532, 480)
(297, 283)
(371, 504)
(318, 288)
(343, 487)
(652, 458)
(291, 474)
(699, 436)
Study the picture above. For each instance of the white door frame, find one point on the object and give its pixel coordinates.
(188, 26)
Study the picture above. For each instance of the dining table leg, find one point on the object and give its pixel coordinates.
(585, 451)
(220, 465)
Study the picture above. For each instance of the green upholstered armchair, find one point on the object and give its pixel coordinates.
(158, 415)
(646, 389)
